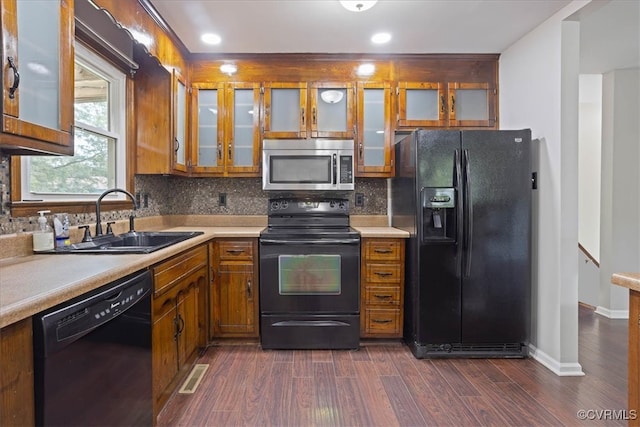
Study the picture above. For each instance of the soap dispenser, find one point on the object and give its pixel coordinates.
(43, 236)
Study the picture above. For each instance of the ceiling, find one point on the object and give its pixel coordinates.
(324, 26)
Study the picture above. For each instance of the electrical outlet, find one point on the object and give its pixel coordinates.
(138, 199)
(359, 199)
(145, 197)
(222, 199)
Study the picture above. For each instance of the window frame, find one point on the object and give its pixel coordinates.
(20, 208)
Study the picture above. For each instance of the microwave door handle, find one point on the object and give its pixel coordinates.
(335, 169)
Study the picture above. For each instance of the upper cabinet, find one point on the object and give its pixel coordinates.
(226, 129)
(316, 110)
(179, 122)
(451, 104)
(37, 76)
(374, 153)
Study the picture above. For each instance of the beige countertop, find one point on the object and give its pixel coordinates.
(33, 283)
(627, 280)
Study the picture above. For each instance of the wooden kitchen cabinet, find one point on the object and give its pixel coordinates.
(160, 108)
(17, 406)
(375, 154)
(316, 110)
(234, 288)
(446, 104)
(226, 129)
(634, 356)
(37, 77)
(382, 288)
(178, 319)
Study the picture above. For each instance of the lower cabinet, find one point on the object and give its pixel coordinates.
(178, 319)
(16, 376)
(382, 288)
(234, 288)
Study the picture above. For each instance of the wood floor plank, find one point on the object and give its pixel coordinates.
(384, 385)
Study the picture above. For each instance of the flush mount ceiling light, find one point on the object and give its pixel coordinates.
(229, 69)
(331, 96)
(357, 5)
(210, 38)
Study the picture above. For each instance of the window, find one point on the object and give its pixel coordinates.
(99, 160)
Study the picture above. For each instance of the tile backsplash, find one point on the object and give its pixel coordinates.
(170, 195)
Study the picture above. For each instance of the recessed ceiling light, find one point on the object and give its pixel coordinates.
(380, 38)
(366, 69)
(229, 68)
(210, 38)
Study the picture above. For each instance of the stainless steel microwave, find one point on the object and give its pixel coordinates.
(307, 164)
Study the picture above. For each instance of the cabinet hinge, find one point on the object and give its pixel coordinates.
(261, 90)
(495, 91)
(397, 91)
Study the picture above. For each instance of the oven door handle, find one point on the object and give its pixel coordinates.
(355, 241)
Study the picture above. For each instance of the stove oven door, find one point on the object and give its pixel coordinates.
(310, 293)
(318, 276)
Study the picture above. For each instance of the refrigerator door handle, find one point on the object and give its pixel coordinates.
(459, 211)
(468, 215)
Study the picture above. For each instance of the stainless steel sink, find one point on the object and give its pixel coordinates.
(137, 242)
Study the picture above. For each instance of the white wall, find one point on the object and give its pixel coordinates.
(620, 207)
(539, 90)
(589, 146)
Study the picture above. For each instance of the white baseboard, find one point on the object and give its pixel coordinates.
(612, 314)
(558, 368)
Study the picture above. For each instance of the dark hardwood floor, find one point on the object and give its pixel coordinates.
(384, 385)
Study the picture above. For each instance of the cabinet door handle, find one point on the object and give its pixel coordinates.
(219, 152)
(442, 104)
(176, 144)
(249, 289)
(16, 77)
(235, 251)
(313, 116)
(302, 116)
(229, 151)
(382, 320)
(383, 273)
(453, 104)
(360, 149)
(382, 251)
(385, 297)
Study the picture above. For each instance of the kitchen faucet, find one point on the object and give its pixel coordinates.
(113, 190)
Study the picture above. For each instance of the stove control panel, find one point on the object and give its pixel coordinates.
(308, 206)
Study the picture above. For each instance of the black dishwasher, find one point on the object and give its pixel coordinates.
(92, 357)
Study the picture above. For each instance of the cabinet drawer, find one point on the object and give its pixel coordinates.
(235, 250)
(382, 295)
(381, 321)
(169, 273)
(383, 273)
(390, 250)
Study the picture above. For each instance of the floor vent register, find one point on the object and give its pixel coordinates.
(193, 380)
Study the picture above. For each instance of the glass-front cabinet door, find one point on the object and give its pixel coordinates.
(285, 110)
(179, 124)
(373, 143)
(37, 74)
(421, 104)
(332, 110)
(226, 129)
(242, 134)
(470, 104)
(207, 127)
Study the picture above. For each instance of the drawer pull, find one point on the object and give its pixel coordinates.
(382, 251)
(385, 297)
(382, 320)
(383, 273)
(235, 251)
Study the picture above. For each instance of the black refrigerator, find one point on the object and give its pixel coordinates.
(465, 198)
